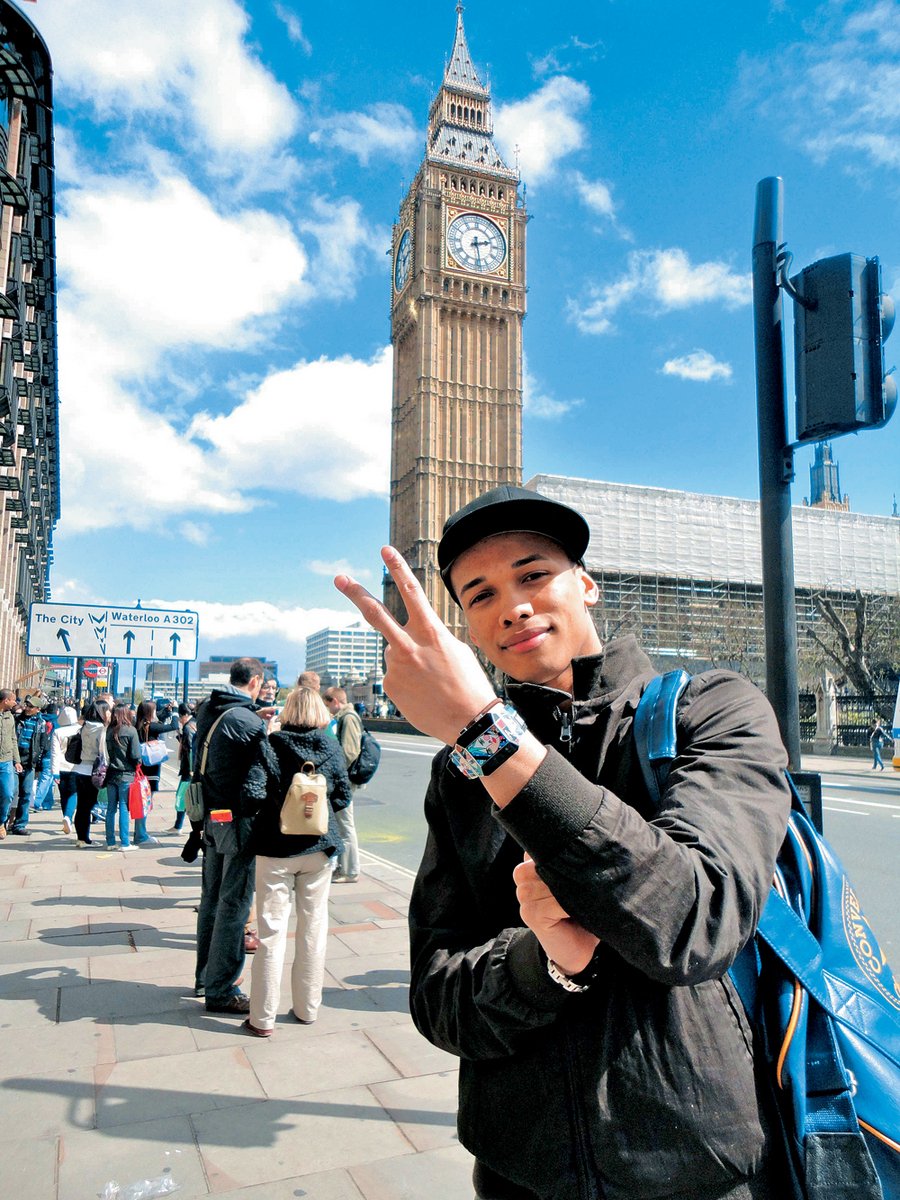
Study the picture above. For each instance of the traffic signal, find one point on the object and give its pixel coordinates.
(841, 321)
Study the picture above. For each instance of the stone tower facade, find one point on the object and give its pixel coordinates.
(457, 307)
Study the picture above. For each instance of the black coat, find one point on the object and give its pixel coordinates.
(239, 757)
(292, 748)
(646, 1081)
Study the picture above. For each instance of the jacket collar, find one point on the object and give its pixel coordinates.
(596, 677)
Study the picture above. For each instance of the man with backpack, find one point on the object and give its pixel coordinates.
(570, 938)
(34, 742)
(349, 732)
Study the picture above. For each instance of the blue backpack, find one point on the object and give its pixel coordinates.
(820, 993)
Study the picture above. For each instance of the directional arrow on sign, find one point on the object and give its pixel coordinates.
(175, 639)
(61, 634)
(128, 636)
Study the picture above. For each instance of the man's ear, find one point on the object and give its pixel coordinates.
(590, 587)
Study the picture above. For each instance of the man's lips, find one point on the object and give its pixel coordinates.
(525, 639)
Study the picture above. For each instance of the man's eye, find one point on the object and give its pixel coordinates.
(532, 575)
(479, 596)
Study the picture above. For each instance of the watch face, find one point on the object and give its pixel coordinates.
(476, 242)
(403, 261)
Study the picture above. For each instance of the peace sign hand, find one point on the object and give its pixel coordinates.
(434, 679)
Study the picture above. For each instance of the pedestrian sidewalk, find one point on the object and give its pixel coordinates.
(113, 1071)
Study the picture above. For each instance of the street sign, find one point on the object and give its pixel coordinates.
(91, 669)
(101, 631)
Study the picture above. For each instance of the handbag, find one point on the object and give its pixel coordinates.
(140, 797)
(98, 772)
(183, 786)
(154, 752)
(305, 808)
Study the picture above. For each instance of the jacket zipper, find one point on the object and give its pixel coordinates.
(588, 1188)
(566, 730)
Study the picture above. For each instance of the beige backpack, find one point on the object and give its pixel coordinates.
(305, 807)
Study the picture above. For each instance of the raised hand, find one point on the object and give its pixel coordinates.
(569, 944)
(434, 679)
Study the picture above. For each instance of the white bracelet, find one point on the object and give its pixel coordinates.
(563, 980)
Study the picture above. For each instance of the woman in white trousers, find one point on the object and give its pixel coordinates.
(295, 866)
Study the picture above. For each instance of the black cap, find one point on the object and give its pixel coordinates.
(509, 509)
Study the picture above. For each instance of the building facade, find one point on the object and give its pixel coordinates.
(217, 668)
(683, 571)
(338, 655)
(29, 429)
(457, 307)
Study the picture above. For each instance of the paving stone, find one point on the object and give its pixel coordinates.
(153, 1037)
(371, 970)
(145, 965)
(121, 998)
(303, 1136)
(30, 1011)
(289, 1064)
(378, 941)
(409, 1052)
(47, 1103)
(445, 1174)
(29, 1168)
(424, 1107)
(77, 1044)
(127, 1154)
(64, 949)
(147, 1089)
(14, 931)
(329, 1185)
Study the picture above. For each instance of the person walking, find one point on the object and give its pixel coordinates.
(33, 738)
(10, 766)
(187, 731)
(93, 746)
(150, 729)
(295, 865)
(43, 784)
(66, 728)
(123, 754)
(348, 731)
(877, 738)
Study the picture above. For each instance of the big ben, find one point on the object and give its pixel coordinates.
(457, 307)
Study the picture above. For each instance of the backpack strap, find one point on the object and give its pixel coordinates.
(205, 751)
(655, 730)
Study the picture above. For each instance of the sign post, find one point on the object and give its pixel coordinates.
(99, 631)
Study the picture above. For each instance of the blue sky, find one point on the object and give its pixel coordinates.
(227, 176)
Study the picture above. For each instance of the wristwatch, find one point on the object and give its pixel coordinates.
(581, 980)
(488, 742)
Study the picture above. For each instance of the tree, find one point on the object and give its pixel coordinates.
(862, 642)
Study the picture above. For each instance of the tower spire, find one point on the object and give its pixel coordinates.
(460, 69)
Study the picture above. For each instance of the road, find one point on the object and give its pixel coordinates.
(862, 822)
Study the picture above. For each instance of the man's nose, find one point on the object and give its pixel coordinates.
(517, 609)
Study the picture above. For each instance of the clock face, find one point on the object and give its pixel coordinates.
(476, 242)
(403, 261)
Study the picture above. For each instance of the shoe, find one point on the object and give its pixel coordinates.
(237, 1005)
(126, 849)
(345, 879)
(20, 832)
(67, 825)
(172, 829)
(256, 1032)
(199, 991)
(251, 941)
(86, 845)
(3, 832)
(300, 1020)
(111, 846)
(150, 841)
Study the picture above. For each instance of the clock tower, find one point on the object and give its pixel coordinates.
(457, 306)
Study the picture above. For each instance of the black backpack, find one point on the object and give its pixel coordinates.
(366, 763)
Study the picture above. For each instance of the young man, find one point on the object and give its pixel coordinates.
(234, 785)
(570, 943)
(34, 742)
(10, 766)
(348, 731)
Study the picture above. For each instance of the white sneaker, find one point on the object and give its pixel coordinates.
(125, 849)
(67, 825)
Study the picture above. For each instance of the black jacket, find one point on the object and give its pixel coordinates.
(33, 753)
(122, 755)
(645, 1082)
(239, 756)
(292, 748)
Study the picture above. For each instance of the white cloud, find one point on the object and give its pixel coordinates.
(339, 566)
(198, 533)
(343, 239)
(188, 64)
(257, 619)
(560, 58)
(384, 130)
(294, 27)
(176, 283)
(667, 280)
(538, 403)
(545, 127)
(699, 365)
(837, 94)
(595, 194)
(310, 429)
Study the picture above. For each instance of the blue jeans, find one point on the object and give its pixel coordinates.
(67, 793)
(876, 756)
(117, 800)
(26, 788)
(44, 787)
(9, 789)
(225, 898)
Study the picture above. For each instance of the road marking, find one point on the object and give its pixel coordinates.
(863, 803)
(850, 812)
(386, 862)
(861, 787)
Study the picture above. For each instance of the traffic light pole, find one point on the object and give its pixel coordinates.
(776, 470)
